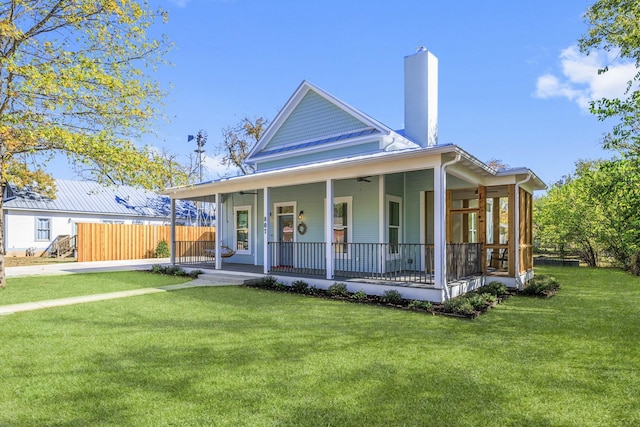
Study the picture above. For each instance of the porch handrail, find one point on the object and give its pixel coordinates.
(397, 262)
(194, 251)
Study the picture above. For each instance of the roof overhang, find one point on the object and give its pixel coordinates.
(467, 167)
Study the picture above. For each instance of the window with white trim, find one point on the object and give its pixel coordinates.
(242, 229)
(43, 229)
(394, 224)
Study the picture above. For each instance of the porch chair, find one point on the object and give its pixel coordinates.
(499, 258)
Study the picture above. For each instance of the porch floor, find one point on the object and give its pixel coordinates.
(396, 281)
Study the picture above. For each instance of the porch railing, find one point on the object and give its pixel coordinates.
(306, 258)
(404, 262)
(463, 260)
(195, 252)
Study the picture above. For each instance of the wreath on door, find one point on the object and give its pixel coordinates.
(302, 228)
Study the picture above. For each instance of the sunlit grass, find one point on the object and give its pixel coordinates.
(38, 288)
(241, 356)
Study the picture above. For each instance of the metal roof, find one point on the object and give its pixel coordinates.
(93, 198)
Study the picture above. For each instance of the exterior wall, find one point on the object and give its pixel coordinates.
(314, 118)
(20, 227)
(415, 183)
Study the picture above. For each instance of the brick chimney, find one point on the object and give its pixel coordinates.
(421, 97)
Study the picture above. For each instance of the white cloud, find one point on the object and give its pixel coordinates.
(215, 169)
(580, 81)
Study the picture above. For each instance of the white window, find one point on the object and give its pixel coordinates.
(394, 224)
(342, 225)
(43, 229)
(242, 227)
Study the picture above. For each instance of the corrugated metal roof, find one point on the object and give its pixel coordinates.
(307, 144)
(93, 198)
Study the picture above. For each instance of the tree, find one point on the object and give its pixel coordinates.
(238, 141)
(72, 83)
(615, 184)
(497, 164)
(568, 219)
(614, 25)
(595, 212)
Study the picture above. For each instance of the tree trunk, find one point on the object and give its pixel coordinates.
(2, 248)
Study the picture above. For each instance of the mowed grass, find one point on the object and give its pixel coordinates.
(39, 288)
(234, 356)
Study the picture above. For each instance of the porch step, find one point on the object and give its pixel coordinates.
(214, 279)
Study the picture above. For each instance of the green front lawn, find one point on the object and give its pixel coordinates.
(39, 288)
(239, 356)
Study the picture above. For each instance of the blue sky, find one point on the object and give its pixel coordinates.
(512, 85)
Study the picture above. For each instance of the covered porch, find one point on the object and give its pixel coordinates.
(423, 219)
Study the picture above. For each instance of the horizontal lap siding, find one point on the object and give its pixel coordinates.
(106, 242)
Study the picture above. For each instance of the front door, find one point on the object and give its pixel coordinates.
(285, 235)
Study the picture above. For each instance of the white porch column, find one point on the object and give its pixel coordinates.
(266, 225)
(219, 223)
(439, 227)
(328, 230)
(172, 232)
(254, 229)
(382, 238)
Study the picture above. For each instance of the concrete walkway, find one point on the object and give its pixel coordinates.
(208, 278)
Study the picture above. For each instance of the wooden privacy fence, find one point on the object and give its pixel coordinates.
(107, 242)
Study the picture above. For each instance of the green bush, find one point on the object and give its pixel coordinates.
(359, 295)
(392, 296)
(162, 249)
(420, 305)
(268, 282)
(477, 301)
(493, 288)
(338, 289)
(314, 290)
(172, 270)
(488, 297)
(300, 286)
(542, 285)
(458, 306)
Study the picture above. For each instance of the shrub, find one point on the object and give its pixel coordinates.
(488, 297)
(279, 286)
(458, 306)
(172, 270)
(300, 286)
(493, 288)
(338, 289)
(314, 290)
(268, 282)
(392, 296)
(420, 305)
(359, 295)
(162, 249)
(195, 273)
(541, 285)
(477, 301)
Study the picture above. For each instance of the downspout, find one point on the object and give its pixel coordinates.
(517, 236)
(443, 261)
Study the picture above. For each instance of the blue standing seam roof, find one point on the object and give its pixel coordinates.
(317, 142)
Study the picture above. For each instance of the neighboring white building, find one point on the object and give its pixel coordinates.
(34, 221)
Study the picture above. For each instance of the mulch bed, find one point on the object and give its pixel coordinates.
(435, 309)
